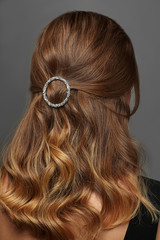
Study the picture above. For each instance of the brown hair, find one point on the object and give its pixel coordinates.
(59, 156)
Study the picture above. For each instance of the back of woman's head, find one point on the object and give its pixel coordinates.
(59, 156)
(91, 51)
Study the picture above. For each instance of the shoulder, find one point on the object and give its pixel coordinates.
(8, 230)
(153, 187)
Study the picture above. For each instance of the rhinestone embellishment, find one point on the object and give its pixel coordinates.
(57, 105)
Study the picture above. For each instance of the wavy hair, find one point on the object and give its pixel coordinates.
(59, 156)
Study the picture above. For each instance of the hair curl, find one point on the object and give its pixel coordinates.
(58, 157)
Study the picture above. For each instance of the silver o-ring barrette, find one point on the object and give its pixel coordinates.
(57, 105)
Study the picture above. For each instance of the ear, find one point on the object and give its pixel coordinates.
(128, 96)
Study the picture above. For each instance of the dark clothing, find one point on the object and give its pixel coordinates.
(144, 228)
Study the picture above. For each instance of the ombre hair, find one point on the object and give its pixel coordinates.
(59, 156)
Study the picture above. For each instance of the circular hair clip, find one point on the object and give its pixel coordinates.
(57, 105)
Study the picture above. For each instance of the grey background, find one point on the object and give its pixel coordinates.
(22, 21)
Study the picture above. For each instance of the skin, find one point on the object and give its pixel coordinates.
(128, 96)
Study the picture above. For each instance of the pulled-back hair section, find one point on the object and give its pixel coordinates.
(59, 156)
(91, 51)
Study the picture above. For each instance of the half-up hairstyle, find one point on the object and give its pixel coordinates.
(59, 156)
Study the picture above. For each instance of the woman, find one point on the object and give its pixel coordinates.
(72, 170)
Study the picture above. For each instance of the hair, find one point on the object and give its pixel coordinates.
(59, 156)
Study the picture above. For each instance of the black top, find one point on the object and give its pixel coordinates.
(143, 228)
